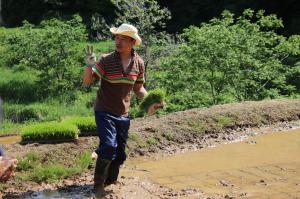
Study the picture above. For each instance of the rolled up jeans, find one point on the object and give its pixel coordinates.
(113, 135)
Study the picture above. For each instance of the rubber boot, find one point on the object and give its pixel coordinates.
(113, 173)
(101, 172)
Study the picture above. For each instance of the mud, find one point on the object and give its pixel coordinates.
(267, 166)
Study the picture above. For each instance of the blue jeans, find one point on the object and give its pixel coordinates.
(113, 135)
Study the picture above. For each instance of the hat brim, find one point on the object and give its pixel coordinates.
(135, 36)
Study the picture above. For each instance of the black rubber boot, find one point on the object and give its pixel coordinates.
(101, 172)
(113, 172)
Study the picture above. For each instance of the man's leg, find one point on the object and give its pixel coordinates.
(106, 151)
(122, 124)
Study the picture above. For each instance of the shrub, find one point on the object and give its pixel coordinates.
(50, 49)
(229, 59)
(21, 113)
(49, 131)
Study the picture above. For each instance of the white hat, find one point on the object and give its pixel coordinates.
(127, 30)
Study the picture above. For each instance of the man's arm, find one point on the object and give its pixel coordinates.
(140, 91)
(88, 77)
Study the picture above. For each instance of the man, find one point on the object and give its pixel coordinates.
(121, 72)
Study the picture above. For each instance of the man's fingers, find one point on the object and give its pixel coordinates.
(89, 50)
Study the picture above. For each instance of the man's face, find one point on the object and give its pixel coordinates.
(124, 43)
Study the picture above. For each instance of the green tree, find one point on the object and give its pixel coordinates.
(51, 50)
(149, 18)
(230, 59)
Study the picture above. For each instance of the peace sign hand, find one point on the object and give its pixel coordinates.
(90, 55)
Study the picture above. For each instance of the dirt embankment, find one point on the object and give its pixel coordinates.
(177, 132)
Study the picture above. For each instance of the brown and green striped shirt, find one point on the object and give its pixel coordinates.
(116, 85)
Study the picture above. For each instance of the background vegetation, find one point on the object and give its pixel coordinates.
(229, 58)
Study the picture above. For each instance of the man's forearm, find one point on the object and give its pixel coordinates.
(88, 76)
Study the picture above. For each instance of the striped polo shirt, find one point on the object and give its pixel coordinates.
(116, 85)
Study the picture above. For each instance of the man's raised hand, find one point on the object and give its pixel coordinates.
(90, 55)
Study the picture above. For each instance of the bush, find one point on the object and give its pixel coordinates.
(50, 49)
(22, 113)
(229, 59)
(49, 131)
(84, 124)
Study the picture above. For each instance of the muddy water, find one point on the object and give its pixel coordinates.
(10, 139)
(267, 166)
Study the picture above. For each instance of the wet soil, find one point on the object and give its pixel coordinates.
(172, 134)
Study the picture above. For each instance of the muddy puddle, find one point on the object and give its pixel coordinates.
(10, 139)
(267, 166)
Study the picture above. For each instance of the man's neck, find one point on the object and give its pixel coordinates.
(125, 55)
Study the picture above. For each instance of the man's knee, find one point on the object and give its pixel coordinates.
(106, 152)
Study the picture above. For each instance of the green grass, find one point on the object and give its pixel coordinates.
(84, 124)
(18, 115)
(223, 121)
(9, 128)
(49, 131)
(28, 162)
(198, 126)
(135, 138)
(18, 86)
(31, 168)
(152, 141)
(169, 136)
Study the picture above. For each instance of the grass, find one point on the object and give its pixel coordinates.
(84, 124)
(18, 115)
(32, 168)
(137, 139)
(223, 121)
(10, 128)
(49, 131)
(152, 141)
(198, 126)
(28, 162)
(169, 136)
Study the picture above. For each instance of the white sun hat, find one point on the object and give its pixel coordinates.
(128, 30)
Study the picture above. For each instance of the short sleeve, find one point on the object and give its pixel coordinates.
(99, 68)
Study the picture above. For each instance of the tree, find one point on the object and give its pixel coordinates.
(51, 51)
(230, 59)
(148, 17)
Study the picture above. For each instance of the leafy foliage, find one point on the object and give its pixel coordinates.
(50, 50)
(229, 59)
(149, 17)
